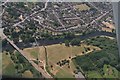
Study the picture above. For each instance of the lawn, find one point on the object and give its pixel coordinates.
(8, 65)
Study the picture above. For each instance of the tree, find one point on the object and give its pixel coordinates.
(4, 42)
(67, 43)
(21, 59)
(16, 67)
(69, 35)
(75, 42)
(118, 67)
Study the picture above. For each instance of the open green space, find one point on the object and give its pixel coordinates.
(32, 52)
(58, 53)
(110, 72)
(93, 74)
(14, 64)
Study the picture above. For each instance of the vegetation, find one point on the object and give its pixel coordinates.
(8, 66)
(67, 43)
(14, 64)
(75, 42)
(97, 60)
(59, 58)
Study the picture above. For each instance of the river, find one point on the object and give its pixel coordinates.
(57, 41)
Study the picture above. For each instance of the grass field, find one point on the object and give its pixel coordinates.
(7, 65)
(110, 72)
(32, 52)
(35, 52)
(82, 7)
(94, 74)
(58, 52)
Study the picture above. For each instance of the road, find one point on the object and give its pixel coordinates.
(4, 2)
(92, 22)
(43, 26)
(94, 6)
(45, 5)
(101, 16)
(2, 12)
(56, 15)
(45, 74)
(16, 24)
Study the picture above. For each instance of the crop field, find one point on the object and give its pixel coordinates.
(59, 53)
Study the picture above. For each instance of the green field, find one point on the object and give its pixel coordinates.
(110, 72)
(93, 74)
(14, 64)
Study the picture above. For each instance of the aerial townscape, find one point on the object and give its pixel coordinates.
(59, 40)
